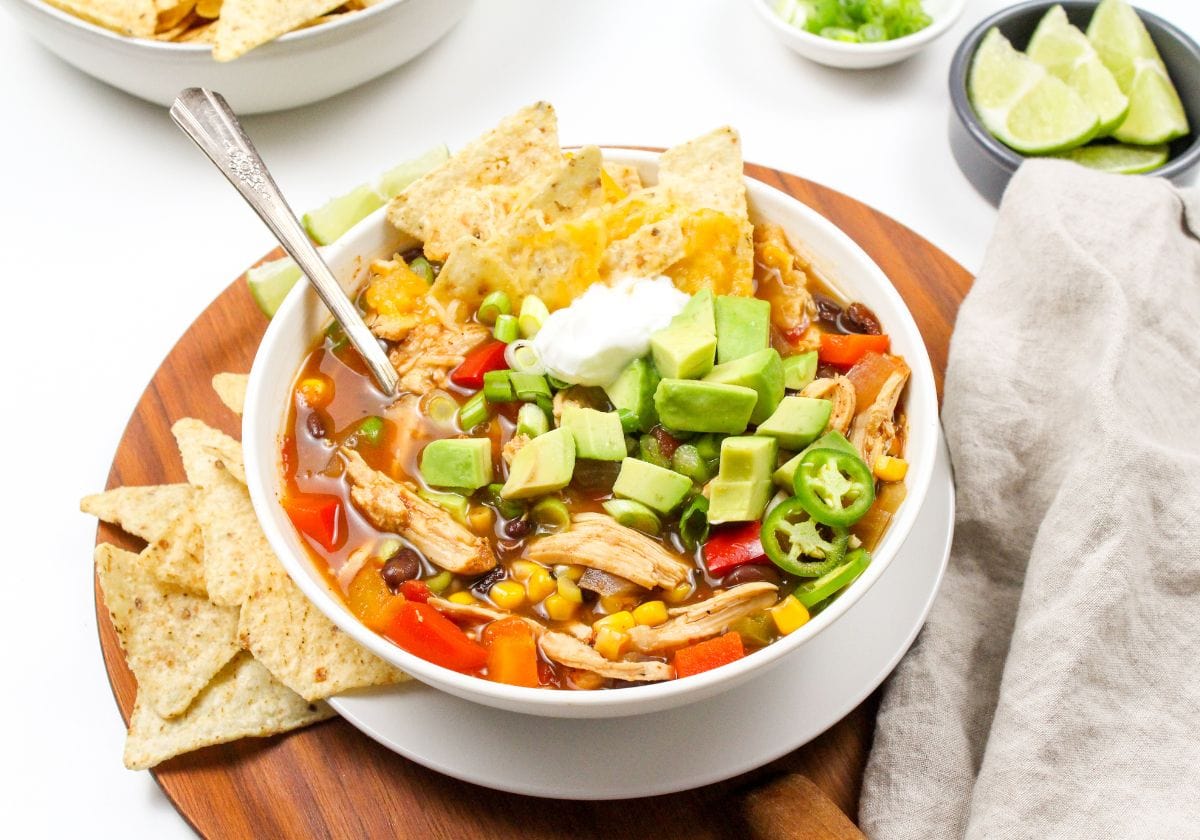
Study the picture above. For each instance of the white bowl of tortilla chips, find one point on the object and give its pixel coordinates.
(475, 191)
(262, 55)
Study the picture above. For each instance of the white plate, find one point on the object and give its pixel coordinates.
(694, 745)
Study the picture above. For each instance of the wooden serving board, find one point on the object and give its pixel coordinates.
(331, 781)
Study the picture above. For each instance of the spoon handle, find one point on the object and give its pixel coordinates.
(206, 118)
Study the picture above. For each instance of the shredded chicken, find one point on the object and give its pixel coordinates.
(392, 506)
(514, 445)
(840, 391)
(704, 619)
(575, 654)
(600, 542)
(431, 350)
(784, 282)
(566, 397)
(483, 613)
(874, 430)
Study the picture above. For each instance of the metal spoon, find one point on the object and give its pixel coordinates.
(206, 118)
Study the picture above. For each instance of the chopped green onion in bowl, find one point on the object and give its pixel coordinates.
(855, 21)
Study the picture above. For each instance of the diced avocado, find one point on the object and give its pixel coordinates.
(743, 326)
(338, 215)
(797, 422)
(698, 313)
(683, 352)
(655, 487)
(747, 459)
(543, 465)
(396, 179)
(762, 371)
(597, 434)
(830, 440)
(704, 406)
(633, 391)
(457, 462)
(737, 501)
(799, 370)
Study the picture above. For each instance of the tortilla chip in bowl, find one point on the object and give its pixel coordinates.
(664, 211)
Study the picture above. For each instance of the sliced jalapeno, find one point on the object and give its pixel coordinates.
(799, 544)
(835, 487)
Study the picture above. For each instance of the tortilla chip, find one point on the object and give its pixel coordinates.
(707, 172)
(207, 452)
(625, 176)
(474, 192)
(177, 556)
(174, 642)
(172, 13)
(304, 649)
(205, 33)
(146, 512)
(138, 18)
(231, 388)
(210, 9)
(246, 24)
(243, 701)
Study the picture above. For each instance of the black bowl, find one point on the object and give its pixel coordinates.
(989, 164)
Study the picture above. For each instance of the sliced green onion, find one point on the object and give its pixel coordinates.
(529, 386)
(521, 357)
(498, 386)
(551, 514)
(693, 522)
(438, 583)
(709, 446)
(493, 306)
(371, 430)
(630, 422)
(421, 267)
(545, 403)
(687, 461)
(650, 451)
(456, 505)
(533, 314)
(473, 412)
(439, 407)
(507, 508)
(531, 421)
(634, 515)
(385, 548)
(506, 328)
(556, 383)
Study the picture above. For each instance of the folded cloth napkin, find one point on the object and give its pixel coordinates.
(1055, 690)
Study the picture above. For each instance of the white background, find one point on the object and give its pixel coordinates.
(116, 233)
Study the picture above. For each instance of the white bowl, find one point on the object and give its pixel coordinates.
(296, 69)
(861, 56)
(290, 337)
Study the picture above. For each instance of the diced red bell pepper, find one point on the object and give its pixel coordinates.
(481, 360)
(512, 653)
(423, 631)
(319, 516)
(704, 656)
(845, 350)
(415, 590)
(730, 546)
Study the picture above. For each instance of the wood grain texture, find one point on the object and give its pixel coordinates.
(330, 780)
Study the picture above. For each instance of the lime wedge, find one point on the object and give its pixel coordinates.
(1119, 158)
(270, 282)
(338, 215)
(393, 182)
(1155, 113)
(1024, 106)
(1067, 53)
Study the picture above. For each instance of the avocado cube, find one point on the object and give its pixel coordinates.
(657, 488)
(683, 352)
(743, 326)
(799, 370)
(747, 459)
(457, 462)
(691, 406)
(737, 501)
(633, 392)
(797, 422)
(762, 371)
(698, 313)
(597, 434)
(785, 475)
(543, 465)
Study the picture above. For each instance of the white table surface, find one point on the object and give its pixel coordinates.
(116, 233)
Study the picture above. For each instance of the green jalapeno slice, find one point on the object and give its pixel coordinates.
(835, 487)
(799, 544)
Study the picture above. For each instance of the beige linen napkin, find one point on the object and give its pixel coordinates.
(1055, 691)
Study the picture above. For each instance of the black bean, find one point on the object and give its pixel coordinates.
(404, 565)
(315, 425)
(485, 581)
(860, 319)
(518, 529)
(828, 309)
(752, 573)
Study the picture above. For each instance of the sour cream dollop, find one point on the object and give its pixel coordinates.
(591, 341)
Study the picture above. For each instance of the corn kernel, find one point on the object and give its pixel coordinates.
(888, 468)
(621, 621)
(789, 615)
(463, 597)
(679, 594)
(618, 602)
(315, 391)
(564, 570)
(507, 595)
(569, 590)
(522, 569)
(559, 608)
(481, 519)
(539, 584)
(651, 613)
(611, 643)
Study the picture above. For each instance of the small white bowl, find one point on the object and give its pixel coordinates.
(861, 56)
(300, 319)
(295, 69)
